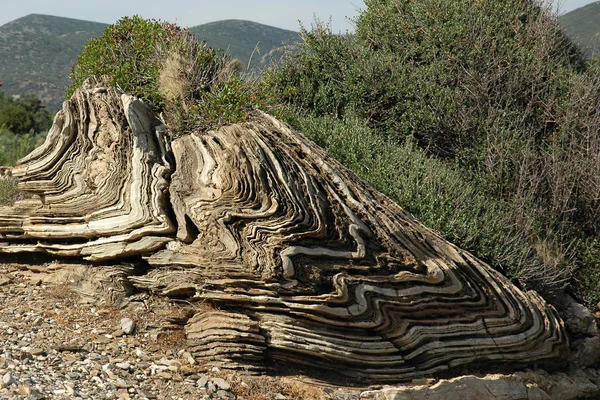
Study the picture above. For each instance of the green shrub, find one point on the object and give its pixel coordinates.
(24, 114)
(194, 86)
(13, 147)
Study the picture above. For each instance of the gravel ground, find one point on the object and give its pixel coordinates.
(54, 347)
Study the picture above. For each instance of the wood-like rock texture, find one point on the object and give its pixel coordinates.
(305, 264)
(333, 273)
(99, 183)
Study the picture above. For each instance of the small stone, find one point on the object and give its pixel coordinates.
(121, 384)
(127, 325)
(108, 366)
(140, 354)
(202, 381)
(118, 333)
(142, 365)
(211, 388)
(279, 396)
(8, 380)
(146, 394)
(223, 394)
(165, 375)
(189, 358)
(123, 365)
(221, 383)
(37, 352)
(25, 390)
(124, 395)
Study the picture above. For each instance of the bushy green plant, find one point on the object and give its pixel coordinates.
(13, 146)
(192, 84)
(24, 114)
(131, 53)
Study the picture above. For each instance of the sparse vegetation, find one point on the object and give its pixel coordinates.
(23, 126)
(8, 190)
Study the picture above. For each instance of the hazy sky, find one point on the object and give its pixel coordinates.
(280, 13)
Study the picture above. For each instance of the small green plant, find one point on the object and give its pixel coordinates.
(8, 190)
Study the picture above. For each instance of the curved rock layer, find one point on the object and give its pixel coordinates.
(334, 273)
(99, 181)
(305, 264)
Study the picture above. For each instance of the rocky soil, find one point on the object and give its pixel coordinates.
(54, 346)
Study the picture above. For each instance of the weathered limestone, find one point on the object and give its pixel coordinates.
(305, 264)
(99, 183)
(520, 386)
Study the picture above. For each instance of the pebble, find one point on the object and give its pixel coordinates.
(123, 365)
(7, 379)
(221, 383)
(127, 325)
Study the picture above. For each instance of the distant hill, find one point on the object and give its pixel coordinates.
(245, 39)
(38, 51)
(583, 26)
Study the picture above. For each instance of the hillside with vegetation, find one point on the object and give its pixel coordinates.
(583, 26)
(255, 45)
(39, 50)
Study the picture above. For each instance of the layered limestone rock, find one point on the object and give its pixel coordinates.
(99, 183)
(303, 263)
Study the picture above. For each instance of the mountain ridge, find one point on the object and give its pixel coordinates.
(583, 27)
(41, 49)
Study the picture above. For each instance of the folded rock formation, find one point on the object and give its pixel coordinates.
(306, 264)
(100, 183)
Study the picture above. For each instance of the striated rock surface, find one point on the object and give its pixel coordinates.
(303, 264)
(99, 183)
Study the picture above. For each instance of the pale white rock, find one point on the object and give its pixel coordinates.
(539, 385)
(221, 383)
(123, 365)
(189, 358)
(127, 326)
(8, 380)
